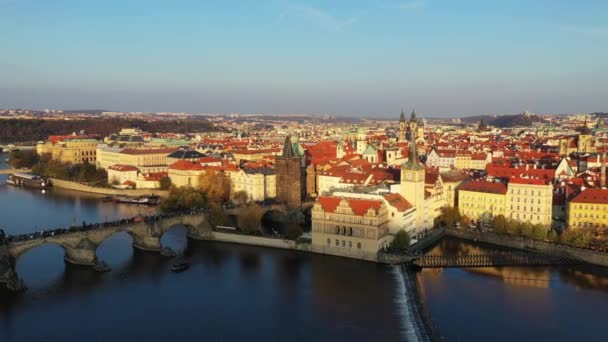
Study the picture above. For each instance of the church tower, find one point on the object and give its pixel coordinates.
(412, 181)
(402, 128)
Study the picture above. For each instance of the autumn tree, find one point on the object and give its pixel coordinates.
(249, 219)
(449, 216)
(184, 198)
(240, 197)
(215, 185)
(165, 183)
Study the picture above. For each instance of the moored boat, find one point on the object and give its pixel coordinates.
(28, 180)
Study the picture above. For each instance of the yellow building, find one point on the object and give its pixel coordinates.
(482, 200)
(589, 209)
(185, 173)
(530, 199)
(147, 160)
(73, 151)
(259, 183)
(350, 227)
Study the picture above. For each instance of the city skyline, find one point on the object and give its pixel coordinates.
(356, 58)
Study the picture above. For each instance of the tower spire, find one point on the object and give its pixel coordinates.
(402, 118)
(288, 148)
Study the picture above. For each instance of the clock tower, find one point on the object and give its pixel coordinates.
(412, 181)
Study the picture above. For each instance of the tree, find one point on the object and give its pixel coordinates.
(241, 197)
(539, 232)
(500, 224)
(183, 198)
(216, 215)
(250, 219)
(165, 183)
(401, 242)
(293, 231)
(526, 229)
(512, 227)
(19, 159)
(449, 216)
(215, 185)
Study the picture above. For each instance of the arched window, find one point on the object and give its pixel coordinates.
(350, 231)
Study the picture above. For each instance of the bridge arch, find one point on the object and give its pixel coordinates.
(176, 236)
(116, 248)
(41, 265)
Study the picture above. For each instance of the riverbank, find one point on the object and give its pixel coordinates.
(588, 256)
(9, 171)
(60, 183)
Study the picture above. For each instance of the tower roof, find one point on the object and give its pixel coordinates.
(413, 116)
(402, 117)
(288, 151)
(412, 162)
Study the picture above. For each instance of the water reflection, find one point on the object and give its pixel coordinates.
(584, 277)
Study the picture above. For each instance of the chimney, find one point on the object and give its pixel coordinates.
(603, 172)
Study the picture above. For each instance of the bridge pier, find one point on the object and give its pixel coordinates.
(147, 243)
(82, 254)
(8, 275)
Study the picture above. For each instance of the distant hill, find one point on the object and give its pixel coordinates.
(525, 119)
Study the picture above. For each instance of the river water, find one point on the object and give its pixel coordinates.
(234, 292)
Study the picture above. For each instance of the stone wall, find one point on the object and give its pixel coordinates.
(596, 258)
(257, 241)
(59, 183)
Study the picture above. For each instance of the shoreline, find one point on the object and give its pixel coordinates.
(75, 186)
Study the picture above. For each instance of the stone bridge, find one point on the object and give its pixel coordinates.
(80, 245)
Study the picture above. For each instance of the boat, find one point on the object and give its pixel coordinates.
(146, 200)
(180, 264)
(107, 199)
(28, 180)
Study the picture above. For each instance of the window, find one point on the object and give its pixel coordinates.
(328, 242)
(359, 245)
(337, 243)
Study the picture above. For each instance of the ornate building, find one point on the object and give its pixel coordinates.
(291, 181)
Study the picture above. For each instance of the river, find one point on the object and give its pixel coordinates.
(234, 292)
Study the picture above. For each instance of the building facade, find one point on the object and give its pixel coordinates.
(588, 209)
(349, 227)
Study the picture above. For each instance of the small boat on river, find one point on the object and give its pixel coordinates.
(180, 264)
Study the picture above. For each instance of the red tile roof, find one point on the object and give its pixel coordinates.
(483, 186)
(123, 168)
(186, 165)
(530, 181)
(359, 206)
(397, 201)
(598, 196)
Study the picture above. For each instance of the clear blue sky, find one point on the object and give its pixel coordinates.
(349, 57)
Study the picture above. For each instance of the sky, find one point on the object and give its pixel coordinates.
(350, 57)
